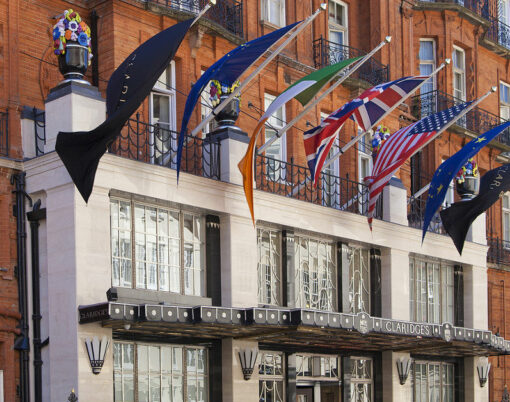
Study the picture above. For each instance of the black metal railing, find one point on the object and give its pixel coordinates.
(341, 193)
(155, 144)
(499, 32)
(4, 133)
(226, 13)
(480, 7)
(477, 120)
(499, 251)
(326, 52)
(416, 213)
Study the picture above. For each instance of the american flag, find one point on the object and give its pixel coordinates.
(400, 146)
(371, 105)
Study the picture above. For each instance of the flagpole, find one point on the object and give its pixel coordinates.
(419, 192)
(359, 136)
(238, 90)
(326, 93)
(203, 11)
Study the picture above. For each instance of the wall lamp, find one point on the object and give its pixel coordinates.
(96, 350)
(483, 367)
(248, 358)
(403, 368)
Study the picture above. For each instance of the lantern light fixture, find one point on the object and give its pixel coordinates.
(248, 358)
(403, 368)
(96, 350)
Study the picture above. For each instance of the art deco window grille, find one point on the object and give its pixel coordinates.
(361, 379)
(271, 377)
(161, 248)
(315, 276)
(359, 279)
(433, 381)
(159, 373)
(269, 266)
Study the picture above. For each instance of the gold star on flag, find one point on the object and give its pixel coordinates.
(480, 139)
(439, 188)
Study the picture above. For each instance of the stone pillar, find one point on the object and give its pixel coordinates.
(233, 144)
(395, 284)
(477, 232)
(70, 107)
(392, 390)
(475, 297)
(473, 391)
(395, 202)
(235, 387)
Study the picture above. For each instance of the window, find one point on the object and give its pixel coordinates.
(431, 291)
(506, 219)
(271, 377)
(159, 373)
(365, 164)
(504, 101)
(274, 12)
(167, 253)
(504, 22)
(427, 65)
(433, 381)
(269, 266)
(277, 151)
(337, 21)
(206, 108)
(320, 367)
(459, 74)
(331, 176)
(315, 272)
(361, 379)
(162, 116)
(359, 279)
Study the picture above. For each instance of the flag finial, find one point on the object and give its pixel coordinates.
(387, 39)
(324, 6)
(447, 61)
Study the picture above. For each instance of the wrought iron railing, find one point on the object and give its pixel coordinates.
(156, 144)
(499, 32)
(416, 213)
(226, 13)
(477, 120)
(480, 7)
(341, 193)
(499, 251)
(4, 133)
(326, 52)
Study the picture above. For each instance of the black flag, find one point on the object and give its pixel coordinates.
(128, 86)
(458, 218)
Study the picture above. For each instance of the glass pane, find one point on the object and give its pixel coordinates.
(188, 228)
(177, 360)
(426, 50)
(177, 389)
(125, 216)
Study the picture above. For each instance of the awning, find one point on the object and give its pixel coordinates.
(296, 328)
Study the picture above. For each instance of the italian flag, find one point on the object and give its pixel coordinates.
(303, 90)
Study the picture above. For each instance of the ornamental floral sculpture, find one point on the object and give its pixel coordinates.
(380, 135)
(219, 92)
(71, 43)
(467, 180)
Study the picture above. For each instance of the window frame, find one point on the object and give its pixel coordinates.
(461, 71)
(504, 105)
(263, 378)
(273, 123)
(331, 191)
(279, 297)
(314, 358)
(505, 212)
(364, 157)
(364, 381)
(427, 386)
(333, 26)
(182, 269)
(351, 258)
(266, 13)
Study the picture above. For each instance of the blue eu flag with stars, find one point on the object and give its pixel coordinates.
(449, 168)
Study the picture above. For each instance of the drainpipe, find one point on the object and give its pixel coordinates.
(34, 217)
(22, 343)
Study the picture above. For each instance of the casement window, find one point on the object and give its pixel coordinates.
(317, 367)
(276, 152)
(505, 211)
(338, 22)
(331, 176)
(365, 164)
(359, 279)
(459, 74)
(269, 266)
(315, 274)
(504, 101)
(162, 116)
(427, 56)
(272, 377)
(157, 248)
(433, 381)
(273, 11)
(151, 372)
(431, 285)
(362, 379)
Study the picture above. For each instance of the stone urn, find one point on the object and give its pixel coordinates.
(230, 113)
(469, 188)
(74, 62)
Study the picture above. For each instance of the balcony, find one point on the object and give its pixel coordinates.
(498, 32)
(478, 7)
(279, 177)
(228, 14)
(416, 213)
(326, 52)
(4, 133)
(499, 251)
(477, 121)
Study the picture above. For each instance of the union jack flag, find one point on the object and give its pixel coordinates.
(366, 109)
(403, 144)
